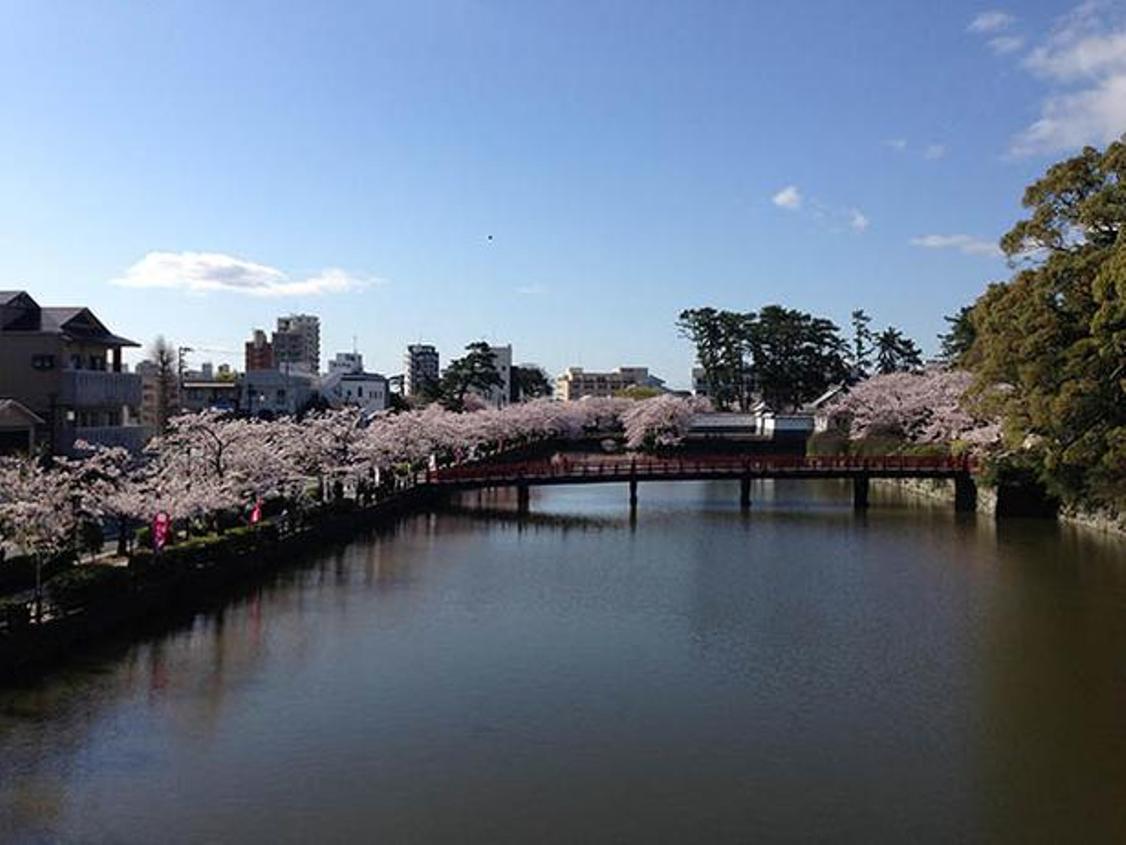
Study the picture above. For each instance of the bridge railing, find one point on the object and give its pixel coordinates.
(719, 465)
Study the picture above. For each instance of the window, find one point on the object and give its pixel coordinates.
(43, 362)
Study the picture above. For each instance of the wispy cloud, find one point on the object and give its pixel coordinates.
(991, 21)
(835, 217)
(1003, 44)
(788, 198)
(966, 244)
(206, 272)
(1083, 61)
(930, 152)
(531, 290)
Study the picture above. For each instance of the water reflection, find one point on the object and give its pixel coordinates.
(696, 673)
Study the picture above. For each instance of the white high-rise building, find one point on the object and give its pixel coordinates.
(500, 397)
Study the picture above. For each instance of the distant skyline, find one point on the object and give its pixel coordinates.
(562, 177)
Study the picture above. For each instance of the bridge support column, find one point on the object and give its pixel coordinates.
(745, 492)
(965, 493)
(633, 494)
(523, 498)
(860, 493)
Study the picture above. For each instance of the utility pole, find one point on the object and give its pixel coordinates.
(181, 354)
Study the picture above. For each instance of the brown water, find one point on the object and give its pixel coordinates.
(698, 676)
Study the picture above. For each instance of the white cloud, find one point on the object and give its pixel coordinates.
(1003, 44)
(897, 144)
(788, 198)
(858, 221)
(991, 21)
(531, 290)
(204, 272)
(1084, 60)
(966, 244)
(1094, 116)
(934, 151)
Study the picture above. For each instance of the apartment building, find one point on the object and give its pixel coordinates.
(64, 366)
(577, 383)
(297, 343)
(420, 368)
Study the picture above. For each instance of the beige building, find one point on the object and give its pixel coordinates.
(64, 366)
(297, 343)
(576, 383)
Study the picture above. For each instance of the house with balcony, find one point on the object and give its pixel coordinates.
(64, 366)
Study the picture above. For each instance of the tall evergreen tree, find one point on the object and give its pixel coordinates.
(861, 357)
(476, 370)
(896, 353)
(1055, 335)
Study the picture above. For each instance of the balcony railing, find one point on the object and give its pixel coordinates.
(99, 389)
(132, 437)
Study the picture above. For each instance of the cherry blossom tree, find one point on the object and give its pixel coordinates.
(923, 407)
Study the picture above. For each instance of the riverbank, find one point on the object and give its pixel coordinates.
(987, 503)
(184, 577)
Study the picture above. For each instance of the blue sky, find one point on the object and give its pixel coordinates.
(197, 169)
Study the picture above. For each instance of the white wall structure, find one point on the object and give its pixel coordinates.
(499, 397)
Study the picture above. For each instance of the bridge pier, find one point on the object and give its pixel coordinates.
(745, 492)
(523, 498)
(965, 493)
(860, 493)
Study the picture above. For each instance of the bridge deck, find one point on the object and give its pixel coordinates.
(609, 470)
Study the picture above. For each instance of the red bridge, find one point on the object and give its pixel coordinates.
(631, 470)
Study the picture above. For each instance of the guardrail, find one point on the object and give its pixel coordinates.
(846, 466)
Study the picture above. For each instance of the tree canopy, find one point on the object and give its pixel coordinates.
(476, 370)
(1054, 337)
(786, 355)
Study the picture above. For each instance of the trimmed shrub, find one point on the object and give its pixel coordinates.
(80, 585)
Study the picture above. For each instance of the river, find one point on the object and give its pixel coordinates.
(697, 674)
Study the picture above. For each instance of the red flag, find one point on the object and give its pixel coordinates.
(161, 524)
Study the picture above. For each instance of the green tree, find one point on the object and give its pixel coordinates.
(957, 341)
(531, 382)
(722, 341)
(795, 356)
(163, 358)
(896, 353)
(1050, 345)
(476, 370)
(861, 353)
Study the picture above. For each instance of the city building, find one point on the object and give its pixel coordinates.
(346, 362)
(276, 393)
(259, 353)
(700, 383)
(297, 342)
(348, 385)
(576, 383)
(501, 396)
(210, 394)
(368, 391)
(64, 366)
(420, 367)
